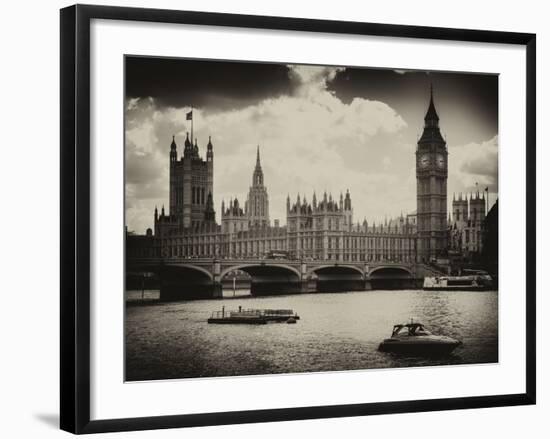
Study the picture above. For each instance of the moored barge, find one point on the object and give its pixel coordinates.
(477, 282)
(253, 316)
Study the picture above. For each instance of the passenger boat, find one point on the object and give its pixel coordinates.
(473, 282)
(253, 316)
(415, 339)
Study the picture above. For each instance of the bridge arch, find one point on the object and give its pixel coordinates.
(185, 282)
(390, 270)
(336, 278)
(342, 268)
(191, 267)
(269, 279)
(258, 269)
(390, 277)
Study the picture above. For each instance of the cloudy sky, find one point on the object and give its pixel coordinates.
(319, 128)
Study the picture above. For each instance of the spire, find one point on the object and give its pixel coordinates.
(173, 144)
(258, 176)
(431, 133)
(431, 114)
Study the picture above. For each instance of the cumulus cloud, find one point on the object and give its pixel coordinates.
(474, 163)
(309, 140)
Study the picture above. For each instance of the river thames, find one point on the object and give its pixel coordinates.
(336, 331)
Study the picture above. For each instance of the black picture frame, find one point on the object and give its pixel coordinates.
(75, 217)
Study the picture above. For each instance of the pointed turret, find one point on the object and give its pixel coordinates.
(196, 149)
(347, 201)
(173, 150)
(209, 150)
(209, 212)
(188, 148)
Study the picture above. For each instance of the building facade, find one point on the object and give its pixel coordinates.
(466, 224)
(325, 230)
(318, 230)
(431, 188)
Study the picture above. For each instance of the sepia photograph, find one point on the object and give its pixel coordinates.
(289, 218)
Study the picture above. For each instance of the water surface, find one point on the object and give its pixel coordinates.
(337, 331)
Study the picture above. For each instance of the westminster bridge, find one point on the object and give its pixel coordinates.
(184, 278)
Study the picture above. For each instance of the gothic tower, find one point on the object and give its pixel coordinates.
(191, 183)
(431, 188)
(257, 204)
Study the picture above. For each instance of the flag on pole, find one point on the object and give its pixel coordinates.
(189, 116)
(487, 189)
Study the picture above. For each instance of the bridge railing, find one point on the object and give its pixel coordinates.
(265, 261)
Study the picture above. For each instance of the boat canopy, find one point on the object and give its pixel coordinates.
(410, 329)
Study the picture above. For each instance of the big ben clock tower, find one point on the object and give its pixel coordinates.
(431, 188)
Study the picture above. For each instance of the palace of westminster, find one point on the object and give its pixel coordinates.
(322, 229)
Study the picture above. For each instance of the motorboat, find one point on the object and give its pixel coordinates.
(413, 338)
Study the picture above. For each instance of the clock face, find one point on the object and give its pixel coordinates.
(440, 160)
(424, 160)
